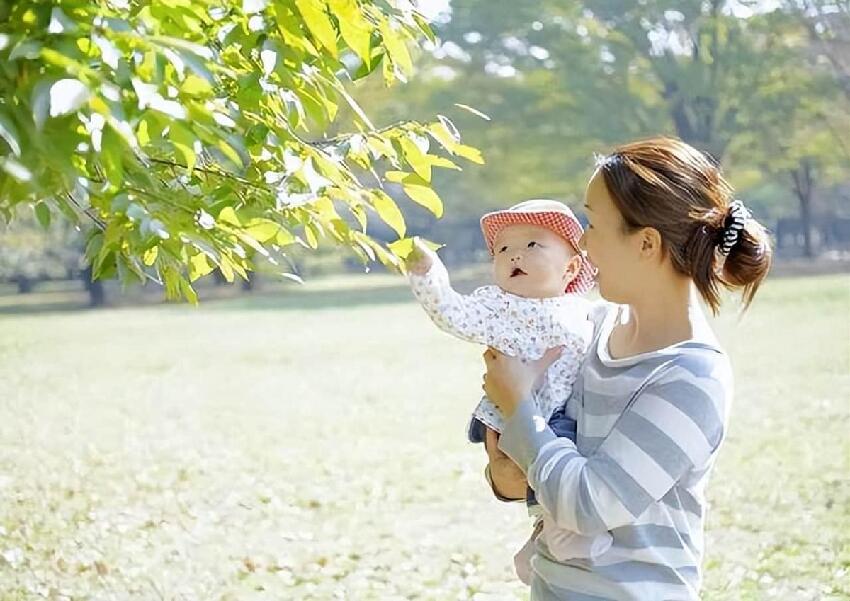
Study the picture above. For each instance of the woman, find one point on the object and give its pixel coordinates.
(653, 394)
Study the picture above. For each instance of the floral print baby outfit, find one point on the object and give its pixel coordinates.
(514, 325)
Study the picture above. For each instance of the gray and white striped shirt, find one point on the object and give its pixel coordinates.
(649, 427)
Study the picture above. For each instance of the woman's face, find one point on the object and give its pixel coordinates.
(613, 251)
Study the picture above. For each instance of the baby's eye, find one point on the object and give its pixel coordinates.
(532, 244)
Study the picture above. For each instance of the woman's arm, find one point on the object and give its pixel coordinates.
(674, 426)
(506, 478)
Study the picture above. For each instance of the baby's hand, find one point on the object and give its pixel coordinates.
(420, 259)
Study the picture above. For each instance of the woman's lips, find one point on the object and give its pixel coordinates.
(517, 271)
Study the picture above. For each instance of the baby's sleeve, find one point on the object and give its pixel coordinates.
(463, 316)
(561, 375)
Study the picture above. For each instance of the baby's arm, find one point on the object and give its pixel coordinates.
(463, 316)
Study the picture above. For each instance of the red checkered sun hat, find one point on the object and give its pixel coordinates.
(554, 216)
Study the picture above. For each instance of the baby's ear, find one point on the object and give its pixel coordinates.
(573, 267)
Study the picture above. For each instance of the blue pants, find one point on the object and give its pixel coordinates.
(560, 424)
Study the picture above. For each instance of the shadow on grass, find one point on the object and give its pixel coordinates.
(306, 299)
(288, 298)
(38, 303)
(45, 308)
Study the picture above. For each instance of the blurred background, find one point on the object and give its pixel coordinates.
(764, 87)
(288, 441)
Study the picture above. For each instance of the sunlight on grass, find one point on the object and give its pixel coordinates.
(315, 449)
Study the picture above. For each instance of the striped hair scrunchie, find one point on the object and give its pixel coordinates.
(735, 220)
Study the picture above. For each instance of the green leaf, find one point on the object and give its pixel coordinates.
(377, 53)
(284, 237)
(127, 269)
(15, 169)
(359, 214)
(396, 46)
(375, 250)
(188, 292)
(401, 247)
(111, 155)
(42, 213)
(469, 109)
(199, 266)
(420, 192)
(67, 95)
(319, 24)
(41, 102)
(26, 48)
(143, 133)
(416, 158)
(149, 258)
(468, 152)
(226, 268)
(228, 215)
(441, 133)
(388, 211)
(150, 128)
(262, 230)
(253, 243)
(354, 28)
(228, 151)
(437, 161)
(196, 86)
(289, 24)
(183, 141)
(172, 278)
(424, 27)
(291, 276)
(9, 132)
(312, 235)
(93, 246)
(395, 176)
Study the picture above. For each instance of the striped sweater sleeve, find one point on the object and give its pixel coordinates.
(673, 427)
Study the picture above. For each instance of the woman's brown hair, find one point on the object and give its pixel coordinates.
(668, 185)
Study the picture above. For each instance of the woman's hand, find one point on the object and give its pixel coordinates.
(508, 380)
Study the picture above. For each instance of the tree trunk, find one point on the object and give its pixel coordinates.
(219, 278)
(802, 177)
(250, 284)
(24, 284)
(97, 296)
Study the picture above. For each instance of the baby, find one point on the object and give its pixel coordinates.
(539, 273)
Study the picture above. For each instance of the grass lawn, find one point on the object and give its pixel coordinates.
(310, 445)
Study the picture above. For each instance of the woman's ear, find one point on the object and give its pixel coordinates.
(650, 243)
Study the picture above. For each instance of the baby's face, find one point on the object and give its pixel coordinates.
(533, 261)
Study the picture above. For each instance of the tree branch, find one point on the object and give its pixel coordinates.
(216, 172)
(87, 211)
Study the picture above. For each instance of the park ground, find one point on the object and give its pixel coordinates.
(308, 444)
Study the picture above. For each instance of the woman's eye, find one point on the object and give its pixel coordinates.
(532, 244)
(503, 249)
